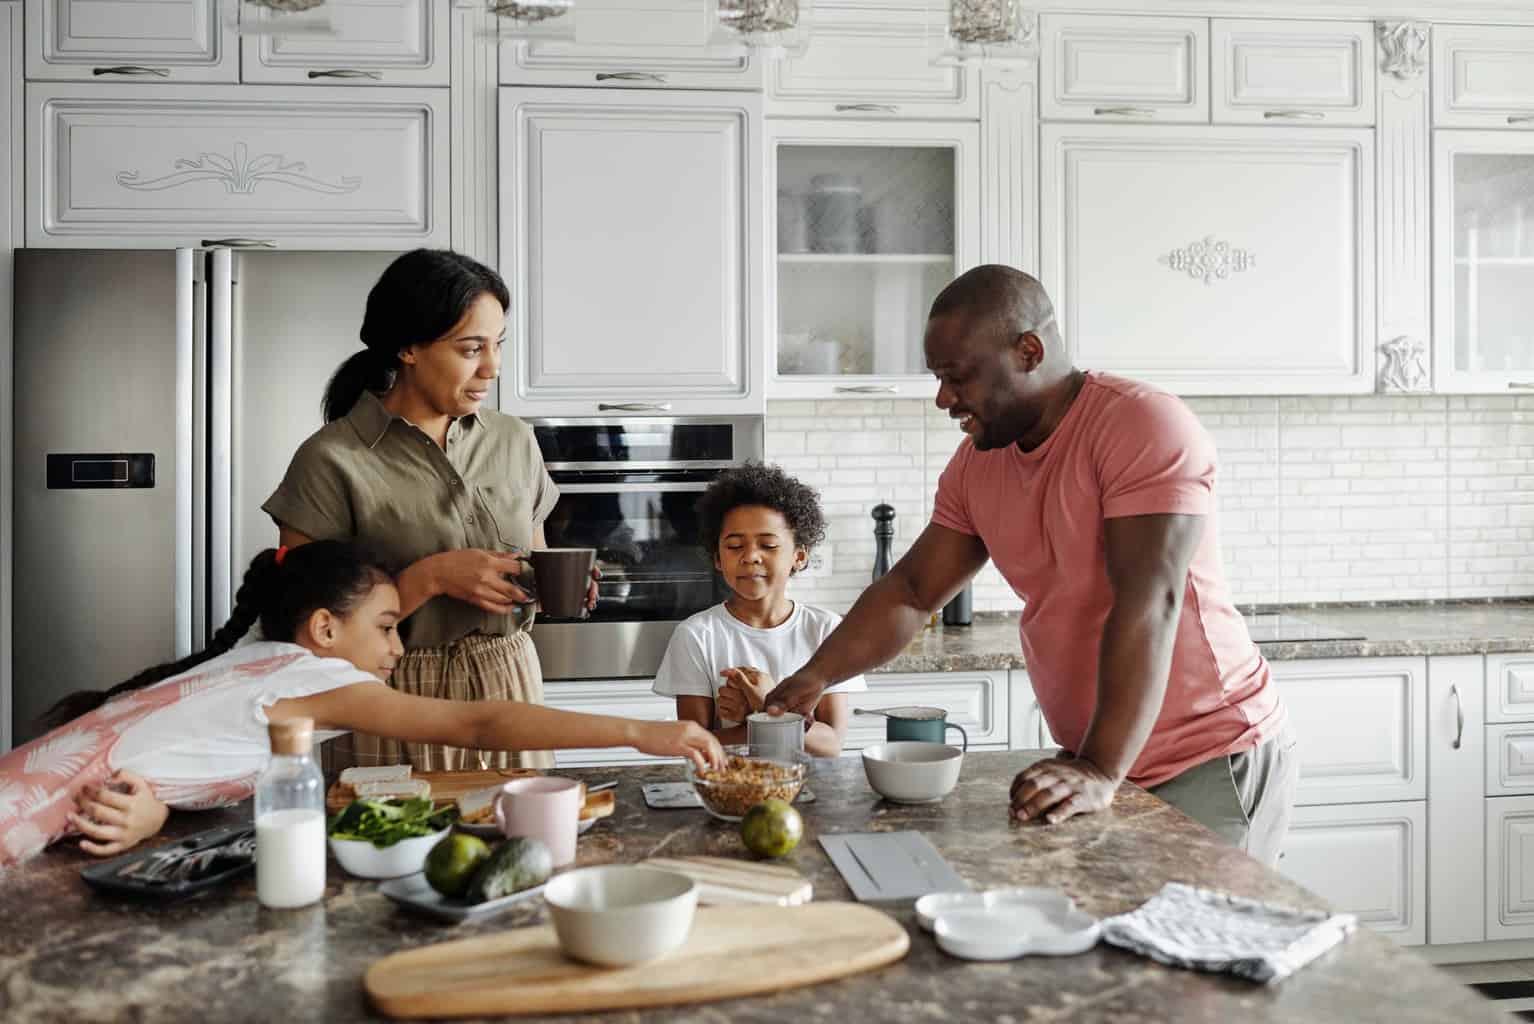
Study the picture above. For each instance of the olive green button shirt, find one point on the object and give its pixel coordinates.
(375, 477)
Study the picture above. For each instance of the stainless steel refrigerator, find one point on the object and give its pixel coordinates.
(158, 399)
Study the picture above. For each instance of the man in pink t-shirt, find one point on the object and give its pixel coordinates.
(1094, 497)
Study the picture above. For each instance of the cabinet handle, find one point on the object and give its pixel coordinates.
(131, 69)
(633, 407)
(866, 389)
(238, 243)
(1520, 118)
(1123, 111)
(1459, 717)
(376, 76)
(1294, 115)
(1520, 385)
(870, 108)
(630, 76)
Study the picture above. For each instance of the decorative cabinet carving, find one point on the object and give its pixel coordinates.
(1180, 254)
(130, 40)
(310, 168)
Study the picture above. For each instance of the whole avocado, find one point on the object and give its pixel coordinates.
(516, 864)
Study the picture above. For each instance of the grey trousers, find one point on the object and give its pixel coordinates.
(1245, 798)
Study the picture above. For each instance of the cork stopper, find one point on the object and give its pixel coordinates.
(294, 737)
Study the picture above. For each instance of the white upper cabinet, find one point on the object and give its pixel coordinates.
(1287, 72)
(1483, 261)
(373, 42)
(98, 40)
(135, 166)
(660, 44)
(1213, 260)
(870, 63)
(1483, 76)
(1097, 67)
(630, 235)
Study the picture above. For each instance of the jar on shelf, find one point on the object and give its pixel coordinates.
(835, 203)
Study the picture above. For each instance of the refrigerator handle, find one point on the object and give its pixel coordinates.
(186, 559)
(220, 440)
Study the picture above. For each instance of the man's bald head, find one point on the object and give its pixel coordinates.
(1001, 301)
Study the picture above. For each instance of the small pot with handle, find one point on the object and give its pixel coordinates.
(915, 722)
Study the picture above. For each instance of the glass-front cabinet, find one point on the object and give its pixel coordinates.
(1484, 261)
(872, 220)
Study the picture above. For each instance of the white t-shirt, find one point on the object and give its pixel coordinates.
(218, 730)
(714, 640)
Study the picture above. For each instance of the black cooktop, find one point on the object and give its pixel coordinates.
(1281, 627)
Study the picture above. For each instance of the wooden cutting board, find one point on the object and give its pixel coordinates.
(446, 787)
(522, 972)
(725, 880)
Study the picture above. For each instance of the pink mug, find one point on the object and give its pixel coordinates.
(546, 808)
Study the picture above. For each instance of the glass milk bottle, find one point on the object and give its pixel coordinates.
(290, 820)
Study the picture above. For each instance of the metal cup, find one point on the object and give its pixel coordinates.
(562, 576)
(775, 732)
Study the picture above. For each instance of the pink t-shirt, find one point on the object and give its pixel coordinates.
(1123, 449)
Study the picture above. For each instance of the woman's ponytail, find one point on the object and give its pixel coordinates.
(255, 593)
(420, 297)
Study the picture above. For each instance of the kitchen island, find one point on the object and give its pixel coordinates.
(68, 954)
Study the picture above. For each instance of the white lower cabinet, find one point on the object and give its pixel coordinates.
(1028, 731)
(1366, 859)
(975, 701)
(1510, 867)
(624, 698)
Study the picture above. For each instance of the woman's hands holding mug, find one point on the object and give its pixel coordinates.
(480, 577)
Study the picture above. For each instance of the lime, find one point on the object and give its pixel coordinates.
(771, 829)
(452, 862)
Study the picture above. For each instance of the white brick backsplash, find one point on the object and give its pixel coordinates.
(1357, 498)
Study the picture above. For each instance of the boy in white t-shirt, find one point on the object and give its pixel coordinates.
(759, 524)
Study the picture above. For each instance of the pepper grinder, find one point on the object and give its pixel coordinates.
(884, 538)
(959, 611)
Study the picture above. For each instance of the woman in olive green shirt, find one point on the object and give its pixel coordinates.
(450, 492)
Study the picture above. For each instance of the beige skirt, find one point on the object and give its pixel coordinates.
(477, 667)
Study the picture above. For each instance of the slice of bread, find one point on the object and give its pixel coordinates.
(478, 807)
(385, 773)
(402, 788)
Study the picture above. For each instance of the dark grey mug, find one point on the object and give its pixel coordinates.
(925, 725)
(561, 576)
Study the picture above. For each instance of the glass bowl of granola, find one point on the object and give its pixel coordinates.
(750, 775)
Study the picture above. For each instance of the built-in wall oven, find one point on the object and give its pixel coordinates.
(629, 488)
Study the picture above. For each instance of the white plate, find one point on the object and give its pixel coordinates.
(415, 893)
(492, 831)
(1038, 925)
(929, 907)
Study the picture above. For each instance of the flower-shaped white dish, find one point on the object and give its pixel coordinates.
(1045, 923)
(930, 906)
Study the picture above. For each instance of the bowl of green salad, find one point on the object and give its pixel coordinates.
(387, 838)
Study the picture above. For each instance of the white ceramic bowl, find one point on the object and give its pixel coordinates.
(621, 914)
(363, 859)
(909, 772)
(933, 905)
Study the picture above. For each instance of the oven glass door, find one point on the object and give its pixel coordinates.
(644, 528)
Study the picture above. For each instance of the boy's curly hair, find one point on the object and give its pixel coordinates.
(756, 483)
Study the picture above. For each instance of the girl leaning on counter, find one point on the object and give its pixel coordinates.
(451, 493)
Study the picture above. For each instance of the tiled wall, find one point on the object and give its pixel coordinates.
(1321, 499)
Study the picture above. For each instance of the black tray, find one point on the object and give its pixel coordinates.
(107, 876)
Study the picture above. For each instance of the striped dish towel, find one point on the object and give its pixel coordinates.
(1184, 926)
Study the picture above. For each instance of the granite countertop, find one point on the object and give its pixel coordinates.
(1373, 630)
(67, 954)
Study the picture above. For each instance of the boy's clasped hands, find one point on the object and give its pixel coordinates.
(744, 691)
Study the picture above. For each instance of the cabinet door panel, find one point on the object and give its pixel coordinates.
(1182, 255)
(1366, 859)
(375, 42)
(976, 701)
(1483, 76)
(1510, 688)
(1109, 67)
(630, 239)
(1340, 762)
(311, 168)
(1286, 71)
(104, 40)
(625, 698)
(870, 64)
(1510, 868)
